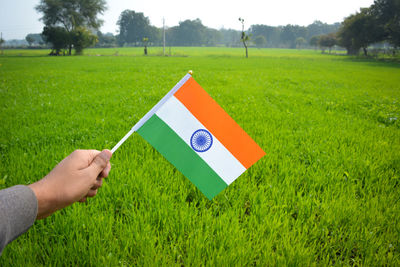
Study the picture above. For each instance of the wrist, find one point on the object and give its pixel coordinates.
(42, 200)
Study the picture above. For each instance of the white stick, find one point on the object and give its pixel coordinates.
(152, 111)
(124, 139)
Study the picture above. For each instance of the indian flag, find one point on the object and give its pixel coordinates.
(199, 138)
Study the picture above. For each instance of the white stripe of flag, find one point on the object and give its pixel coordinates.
(182, 121)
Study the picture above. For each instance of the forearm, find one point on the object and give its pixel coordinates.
(75, 178)
(18, 211)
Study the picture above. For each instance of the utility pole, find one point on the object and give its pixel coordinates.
(163, 22)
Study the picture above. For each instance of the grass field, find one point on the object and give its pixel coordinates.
(326, 193)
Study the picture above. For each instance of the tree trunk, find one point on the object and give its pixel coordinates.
(365, 51)
(245, 46)
(69, 49)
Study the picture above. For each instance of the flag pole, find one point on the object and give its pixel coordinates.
(153, 110)
(123, 139)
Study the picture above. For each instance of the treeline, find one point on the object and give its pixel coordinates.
(289, 36)
(134, 26)
(67, 28)
(374, 27)
(74, 24)
(377, 25)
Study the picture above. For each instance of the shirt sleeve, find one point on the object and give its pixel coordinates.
(18, 211)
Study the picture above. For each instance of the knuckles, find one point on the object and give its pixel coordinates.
(101, 161)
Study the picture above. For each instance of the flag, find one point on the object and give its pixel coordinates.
(199, 138)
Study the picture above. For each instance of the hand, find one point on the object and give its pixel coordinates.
(75, 178)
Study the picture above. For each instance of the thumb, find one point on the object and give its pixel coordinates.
(99, 163)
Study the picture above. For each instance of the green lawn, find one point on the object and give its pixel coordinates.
(326, 193)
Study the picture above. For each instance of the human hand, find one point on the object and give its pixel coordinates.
(75, 178)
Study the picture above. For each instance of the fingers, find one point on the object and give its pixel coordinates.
(99, 168)
(100, 162)
(98, 183)
(91, 193)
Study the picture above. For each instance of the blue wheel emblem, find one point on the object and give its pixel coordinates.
(201, 140)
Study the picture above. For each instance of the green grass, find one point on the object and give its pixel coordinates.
(326, 193)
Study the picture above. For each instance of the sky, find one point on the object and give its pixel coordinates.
(18, 17)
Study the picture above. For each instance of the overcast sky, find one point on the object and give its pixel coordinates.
(18, 17)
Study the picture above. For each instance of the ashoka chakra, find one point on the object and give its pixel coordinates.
(201, 140)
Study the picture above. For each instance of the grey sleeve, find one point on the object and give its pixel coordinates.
(18, 210)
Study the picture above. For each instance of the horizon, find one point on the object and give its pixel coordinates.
(19, 18)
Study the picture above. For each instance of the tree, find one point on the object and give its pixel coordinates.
(81, 38)
(191, 33)
(314, 41)
(260, 41)
(71, 15)
(387, 15)
(319, 28)
(29, 39)
(359, 31)
(133, 27)
(272, 34)
(58, 37)
(244, 37)
(106, 40)
(327, 40)
(300, 41)
(230, 37)
(212, 37)
(290, 33)
(154, 35)
(35, 38)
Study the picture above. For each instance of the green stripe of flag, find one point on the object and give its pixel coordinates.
(175, 150)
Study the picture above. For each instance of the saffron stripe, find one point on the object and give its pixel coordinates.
(219, 123)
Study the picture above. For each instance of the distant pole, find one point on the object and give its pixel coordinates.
(163, 22)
